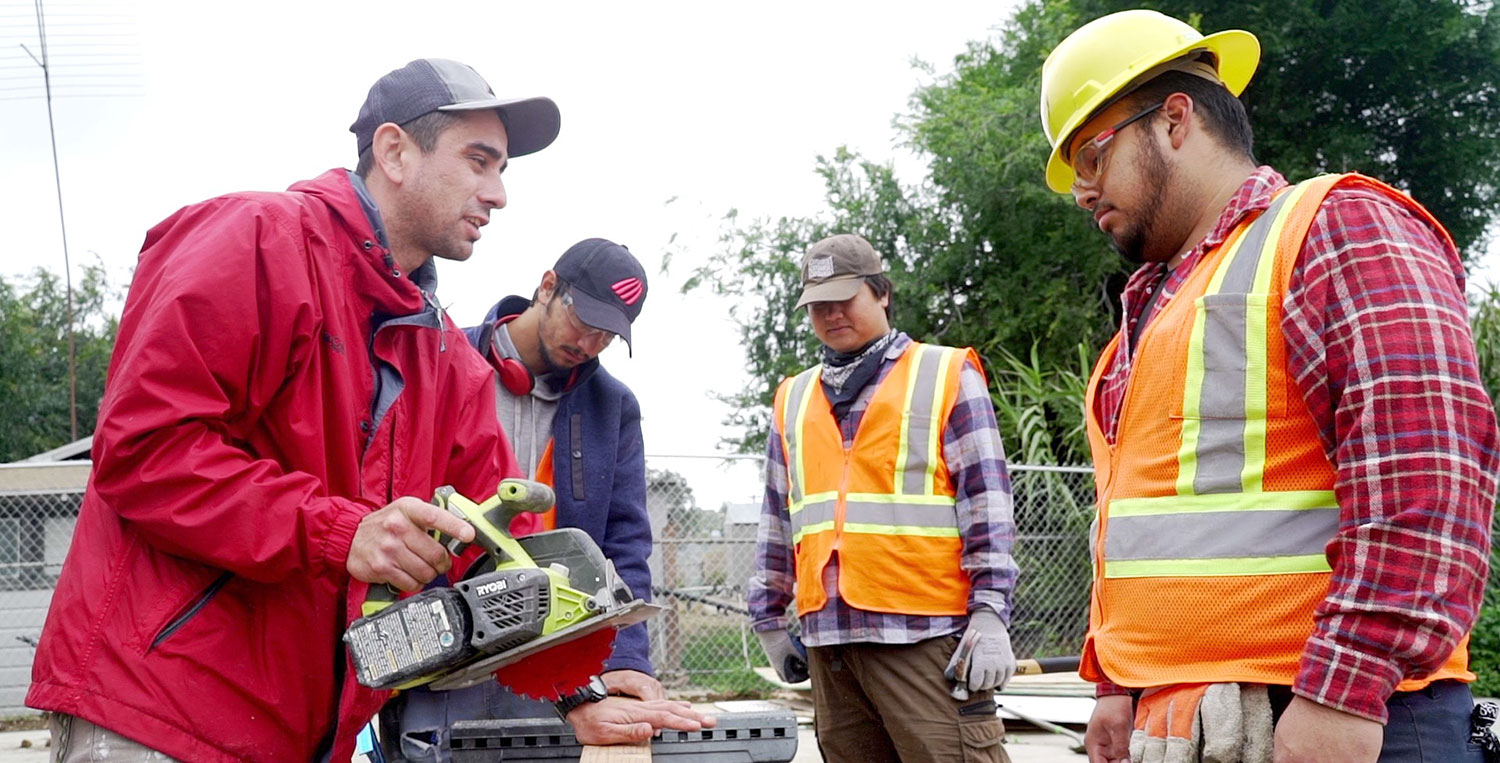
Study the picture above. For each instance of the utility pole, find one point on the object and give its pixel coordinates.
(41, 28)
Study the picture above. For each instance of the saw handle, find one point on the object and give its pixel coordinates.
(491, 519)
(513, 497)
(518, 496)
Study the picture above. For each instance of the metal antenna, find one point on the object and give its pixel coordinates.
(41, 28)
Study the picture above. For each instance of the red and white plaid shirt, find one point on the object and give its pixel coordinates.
(1378, 340)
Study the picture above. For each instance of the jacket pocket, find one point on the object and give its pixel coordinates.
(189, 610)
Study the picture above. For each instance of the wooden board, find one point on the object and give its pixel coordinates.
(640, 752)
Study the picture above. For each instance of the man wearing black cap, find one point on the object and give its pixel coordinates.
(574, 426)
(284, 395)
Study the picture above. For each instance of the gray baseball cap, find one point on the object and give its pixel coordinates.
(833, 269)
(437, 84)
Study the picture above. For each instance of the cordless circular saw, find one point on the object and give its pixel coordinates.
(538, 613)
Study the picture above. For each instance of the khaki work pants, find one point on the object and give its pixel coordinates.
(889, 703)
(75, 740)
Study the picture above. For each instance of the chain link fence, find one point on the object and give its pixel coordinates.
(704, 513)
(38, 507)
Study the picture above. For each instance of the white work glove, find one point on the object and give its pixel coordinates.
(983, 659)
(1211, 723)
(786, 653)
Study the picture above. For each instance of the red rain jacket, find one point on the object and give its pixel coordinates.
(202, 602)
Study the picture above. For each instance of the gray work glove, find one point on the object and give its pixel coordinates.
(983, 659)
(787, 654)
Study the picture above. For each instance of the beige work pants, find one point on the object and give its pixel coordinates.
(75, 740)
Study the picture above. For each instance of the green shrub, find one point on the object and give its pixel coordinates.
(1484, 646)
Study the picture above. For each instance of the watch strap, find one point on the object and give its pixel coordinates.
(593, 691)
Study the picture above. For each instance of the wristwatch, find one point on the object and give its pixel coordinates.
(593, 691)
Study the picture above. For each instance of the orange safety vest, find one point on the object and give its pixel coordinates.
(1216, 503)
(885, 504)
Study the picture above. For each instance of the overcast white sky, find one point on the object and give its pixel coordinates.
(713, 104)
(716, 105)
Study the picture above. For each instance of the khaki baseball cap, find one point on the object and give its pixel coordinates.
(833, 269)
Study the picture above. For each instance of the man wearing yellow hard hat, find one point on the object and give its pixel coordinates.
(1295, 457)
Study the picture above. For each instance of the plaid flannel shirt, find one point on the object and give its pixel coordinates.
(976, 461)
(1378, 339)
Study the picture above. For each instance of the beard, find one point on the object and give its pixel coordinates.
(1133, 242)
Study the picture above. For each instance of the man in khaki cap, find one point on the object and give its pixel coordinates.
(887, 518)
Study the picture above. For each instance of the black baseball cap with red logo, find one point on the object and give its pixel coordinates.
(608, 284)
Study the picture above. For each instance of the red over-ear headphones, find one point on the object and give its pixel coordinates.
(514, 375)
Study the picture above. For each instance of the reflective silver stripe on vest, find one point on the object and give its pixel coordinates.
(796, 398)
(1221, 534)
(1227, 315)
(812, 514)
(919, 424)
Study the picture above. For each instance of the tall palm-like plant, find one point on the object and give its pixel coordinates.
(1484, 649)
(1040, 413)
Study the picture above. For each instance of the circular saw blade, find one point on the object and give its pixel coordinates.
(561, 670)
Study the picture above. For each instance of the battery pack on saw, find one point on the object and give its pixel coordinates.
(435, 630)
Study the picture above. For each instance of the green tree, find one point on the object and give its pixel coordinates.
(1407, 91)
(983, 254)
(34, 358)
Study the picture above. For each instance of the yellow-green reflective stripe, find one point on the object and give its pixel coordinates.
(802, 387)
(925, 532)
(1188, 568)
(1253, 470)
(827, 495)
(1257, 367)
(820, 527)
(934, 500)
(939, 386)
(831, 496)
(1289, 500)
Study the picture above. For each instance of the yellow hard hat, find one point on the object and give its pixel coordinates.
(1099, 60)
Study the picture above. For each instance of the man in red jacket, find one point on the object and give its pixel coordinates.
(284, 393)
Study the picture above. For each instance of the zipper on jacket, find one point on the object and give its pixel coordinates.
(431, 299)
(842, 507)
(390, 459)
(198, 605)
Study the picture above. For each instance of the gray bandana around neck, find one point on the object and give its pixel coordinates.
(845, 374)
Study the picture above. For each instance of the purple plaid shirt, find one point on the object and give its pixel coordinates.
(976, 461)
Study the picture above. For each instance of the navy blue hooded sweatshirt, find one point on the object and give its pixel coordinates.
(599, 470)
